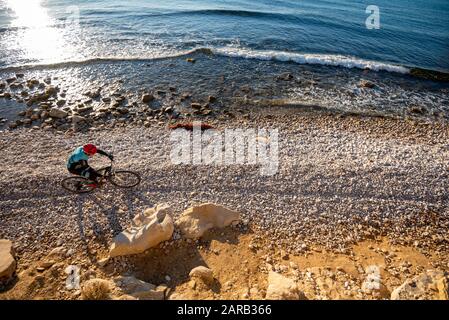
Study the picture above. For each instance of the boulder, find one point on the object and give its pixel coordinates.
(138, 289)
(285, 76)
(431, 285)
(366, 84)
(194, 221)
(7, 262)
(51, 91)
(150, 228)
(77, 119)
(282, 288)
(58, 113)
(417, 110)
(146, 98)
(203, 273)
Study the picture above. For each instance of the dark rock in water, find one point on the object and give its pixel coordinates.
(146, 98)
(160, 92)
(285, 76)
(191, 60)
(430, 74)
(172, 89)
(32, 82)
(19, 75)
(14, 86)
(11, 80)
(366, 84)
(7, 95)
(106, 99)
(51, 91)
(417, 110)
(212, 99)
(60, 103)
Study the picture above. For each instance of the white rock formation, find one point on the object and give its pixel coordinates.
(282, 288)
(198, 219)
(7, 262)
(150, 228)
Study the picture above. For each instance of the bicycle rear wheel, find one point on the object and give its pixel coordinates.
(78, 184)
(125, 179)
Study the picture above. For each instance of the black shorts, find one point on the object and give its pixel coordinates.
(84, 171)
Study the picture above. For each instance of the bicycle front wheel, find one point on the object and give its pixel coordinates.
(78, 184)
(125, 179)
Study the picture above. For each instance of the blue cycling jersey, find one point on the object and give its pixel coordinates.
(77, 156)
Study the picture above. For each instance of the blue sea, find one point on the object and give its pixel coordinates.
(144, 44)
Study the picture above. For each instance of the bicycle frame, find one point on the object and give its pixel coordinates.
(108, 171)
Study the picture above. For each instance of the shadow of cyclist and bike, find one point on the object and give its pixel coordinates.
(103, 217)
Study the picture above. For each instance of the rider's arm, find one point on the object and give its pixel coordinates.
(103, 153)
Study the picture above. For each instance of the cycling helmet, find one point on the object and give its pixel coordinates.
(90, 149)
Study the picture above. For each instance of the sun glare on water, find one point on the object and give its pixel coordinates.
(38, 37)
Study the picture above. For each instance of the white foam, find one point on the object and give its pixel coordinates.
(322, 59)
(319, 59)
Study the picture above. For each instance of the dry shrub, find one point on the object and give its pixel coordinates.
(96, 289)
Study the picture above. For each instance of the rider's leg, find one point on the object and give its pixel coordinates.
(91, 174)
(76, 171)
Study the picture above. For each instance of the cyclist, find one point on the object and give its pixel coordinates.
(77, 163)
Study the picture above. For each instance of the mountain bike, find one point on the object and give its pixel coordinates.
(119, 178)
